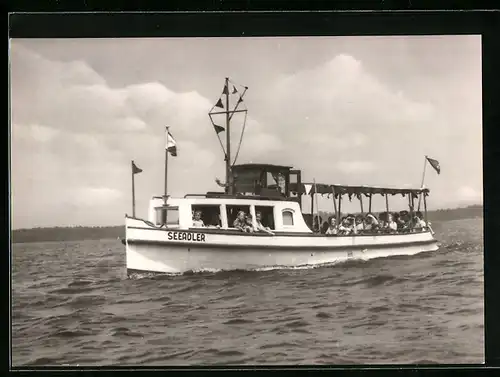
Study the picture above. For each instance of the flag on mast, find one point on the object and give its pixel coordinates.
(435, 164)
(218, 128)
(135, 169)
(171, 144)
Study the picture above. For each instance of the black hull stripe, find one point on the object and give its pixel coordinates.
(199, 245)
(288, 234)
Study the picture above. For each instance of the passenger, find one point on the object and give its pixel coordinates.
(391, 224)
(371, 223)
(404, 221)
(343, 228)
(260, 227)
(240, 223)
(382, 220)
(332, 226)
(249, 224)
(419, 222)
(359, 225)
(325, 226)
(197, 221)
(400, 224)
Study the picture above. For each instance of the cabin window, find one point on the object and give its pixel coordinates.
(287, 217)
(267, 215)
(232, 213)
(172, 214)
(210, 214)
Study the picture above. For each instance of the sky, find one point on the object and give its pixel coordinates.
(344, 110)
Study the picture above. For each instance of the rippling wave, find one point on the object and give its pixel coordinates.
(72, 305)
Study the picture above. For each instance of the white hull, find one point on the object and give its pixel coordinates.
(150, 249)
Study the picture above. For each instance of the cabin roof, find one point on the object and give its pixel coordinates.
(261, 166)
(322, 188)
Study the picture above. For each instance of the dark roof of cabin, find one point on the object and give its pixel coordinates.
(322, 188)
(261, 166)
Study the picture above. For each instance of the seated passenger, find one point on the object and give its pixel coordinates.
(325, 226)
(371, 223)
(359, 226)
(249, 224)
(347, 225)
(332, 226)
(197, 221)
(382, 220)
(259, 226)
(404, 221)
(240, 223)
(391, 224)
(419, 222)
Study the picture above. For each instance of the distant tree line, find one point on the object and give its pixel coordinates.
(78, 233)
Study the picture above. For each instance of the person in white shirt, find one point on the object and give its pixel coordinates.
(419, 223)
(332, 226)
(391, 224)
(197, 221)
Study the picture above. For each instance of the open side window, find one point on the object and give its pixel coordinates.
(267, 216)
(169, 213)
(210, 214)
(232, 213)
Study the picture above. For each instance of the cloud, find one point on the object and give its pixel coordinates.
(76, 128)
(71, 130)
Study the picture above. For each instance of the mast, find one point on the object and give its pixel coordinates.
(229, 189)
(229, 178)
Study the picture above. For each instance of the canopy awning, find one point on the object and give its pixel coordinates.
(322, 188)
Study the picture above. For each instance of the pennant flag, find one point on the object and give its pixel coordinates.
(308, 188)
(225, 91)
(171, 144)
(240, 100)
(234, 90)
(219, 104)
(434, 164)
(135, 169)
(218, 129)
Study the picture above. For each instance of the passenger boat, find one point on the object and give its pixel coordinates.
(169, 242)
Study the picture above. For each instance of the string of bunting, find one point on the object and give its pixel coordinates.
(218, 128)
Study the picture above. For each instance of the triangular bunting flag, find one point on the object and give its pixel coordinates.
(307, 187)
(240, 100)
(135, 169)
(234, 90)
(218, 129)
(225, 91)
(434, 164)
(219, 104)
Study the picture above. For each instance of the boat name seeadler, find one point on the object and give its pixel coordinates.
(184, 236)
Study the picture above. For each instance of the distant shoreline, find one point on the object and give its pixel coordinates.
(79, 233)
